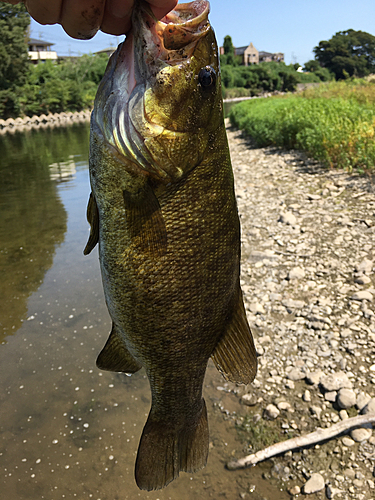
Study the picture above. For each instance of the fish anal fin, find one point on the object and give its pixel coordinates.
(235, 355)
(115, 357)
(165, 451)
(93, 219)
(145, 221)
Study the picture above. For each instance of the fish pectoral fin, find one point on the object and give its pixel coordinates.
(93, 219)
(115, 357)
(145, 221)
(235, 355)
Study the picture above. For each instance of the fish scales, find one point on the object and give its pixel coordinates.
(163, 210)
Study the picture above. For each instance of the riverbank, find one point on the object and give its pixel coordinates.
(51, 120)
(308, 281)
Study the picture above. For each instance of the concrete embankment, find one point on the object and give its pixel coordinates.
(51, 120)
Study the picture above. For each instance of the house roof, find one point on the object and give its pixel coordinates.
(35, 41)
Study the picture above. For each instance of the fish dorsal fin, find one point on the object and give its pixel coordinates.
(145, 221)
(115, 357)
(235, 355)
(93, 219)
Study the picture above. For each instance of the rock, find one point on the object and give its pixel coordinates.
(256, 308)
(287, 218)
(292, 304)
(362, 295)
(361, 434)
(343, 415)
(284, 405)
(306, 396)
(335, 381)
(271, 412)
(315, 411)
(313, 378)
(296, 273)
(362, 400)
(314, 484)
(365, 266)
(295, 490)
(296, 374)
(362, 280)
(331, 491)
(346, 441)
(346, 398)
(249, 399)
(369, 407)
(330, 396)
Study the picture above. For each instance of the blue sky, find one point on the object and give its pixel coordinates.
(294, 27)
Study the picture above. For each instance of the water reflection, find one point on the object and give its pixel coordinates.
(33, 219)
(68, 430)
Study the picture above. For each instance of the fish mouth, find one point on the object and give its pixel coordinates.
(174, 36)
(151, 46)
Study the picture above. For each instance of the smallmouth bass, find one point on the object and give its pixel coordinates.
(164, 212)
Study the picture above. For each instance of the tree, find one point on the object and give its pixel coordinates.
(14, 21)
(229, 57)
(347, 53)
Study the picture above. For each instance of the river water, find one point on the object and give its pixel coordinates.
(68, 430)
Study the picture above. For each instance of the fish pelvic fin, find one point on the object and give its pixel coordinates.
(164, 451)
(115, 357)
(93, 220)
(145, 221)
(235, 355)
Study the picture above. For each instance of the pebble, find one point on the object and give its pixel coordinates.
(296, 374)
(316, 411)
(287, 218)
(331, 491)
(313, 378)
(335, 381)
(249, 399)
(314, 484)
(365, 266)
(306, 396)
(361, 434)
(362, 295)
(346, 398)
(271, 412)
(295, 490)
(296, 273)
(305, 266)
(346, 441)
(330, 396)
(369, 407)
(362, 400)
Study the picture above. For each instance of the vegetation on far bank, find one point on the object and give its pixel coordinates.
(28, 89)
(334, 123)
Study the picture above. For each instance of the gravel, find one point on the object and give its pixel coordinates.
(307, 274)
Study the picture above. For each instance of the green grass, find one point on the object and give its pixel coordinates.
(334, 123)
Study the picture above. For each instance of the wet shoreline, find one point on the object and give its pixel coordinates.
(43, 121)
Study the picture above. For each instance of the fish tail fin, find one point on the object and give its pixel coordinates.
(164, 451)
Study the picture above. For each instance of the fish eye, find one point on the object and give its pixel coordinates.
(207, 77)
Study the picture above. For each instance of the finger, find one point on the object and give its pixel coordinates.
(82, 18)
(44, 11)
(117, 17)
(161, 7)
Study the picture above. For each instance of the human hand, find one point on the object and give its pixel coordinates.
(83, 18)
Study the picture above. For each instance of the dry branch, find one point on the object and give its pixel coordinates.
(302, 441)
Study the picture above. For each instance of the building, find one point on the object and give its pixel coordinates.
(269, 56)
(250, 55)
(40, 51)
